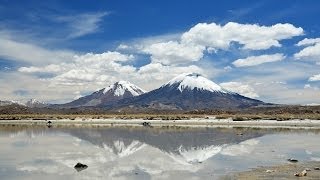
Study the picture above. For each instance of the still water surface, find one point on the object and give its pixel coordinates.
(36, 152)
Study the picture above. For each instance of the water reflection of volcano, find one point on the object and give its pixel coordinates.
(185, 147)
(147, 153)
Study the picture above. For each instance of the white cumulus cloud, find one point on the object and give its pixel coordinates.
(308, 41)
(315, 78)
(251, 36)
(210, 37)
(173, 52)
(257, 60)
(240, 88)
(97, 70)
(89, 67)
(310, 53)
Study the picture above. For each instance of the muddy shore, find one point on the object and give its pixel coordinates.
(285, 171)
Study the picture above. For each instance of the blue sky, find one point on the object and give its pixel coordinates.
(56, 51)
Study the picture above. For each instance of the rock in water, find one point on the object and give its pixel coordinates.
(269, 171)
(303, 173)
(292, 160)
(79, 167)
(146, 124)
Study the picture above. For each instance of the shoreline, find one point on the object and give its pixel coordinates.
(194, 122)
(282, 171)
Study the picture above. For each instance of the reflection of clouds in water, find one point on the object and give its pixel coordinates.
(117, 159)
(42, 165)
(308, 152)
(242, 148)
(315, 158)
(77, 141)
(145, 159)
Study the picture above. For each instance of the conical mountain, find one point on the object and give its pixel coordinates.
(189, 92)
(111, 94)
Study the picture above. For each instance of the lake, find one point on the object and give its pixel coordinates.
(39, 152)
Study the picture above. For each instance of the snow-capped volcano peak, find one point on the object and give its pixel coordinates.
(35, 103)
(192, 81)
(120, 87)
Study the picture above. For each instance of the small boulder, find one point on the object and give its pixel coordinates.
(292, 160)
(146, 124)
(49, 124)
(317, 168)
(303, 173)
(269, 171)
(79, 167)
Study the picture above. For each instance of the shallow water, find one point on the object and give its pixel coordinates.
(38, 152)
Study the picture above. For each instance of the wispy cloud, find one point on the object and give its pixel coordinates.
(257, 60)
(28, 52)
(82, 24)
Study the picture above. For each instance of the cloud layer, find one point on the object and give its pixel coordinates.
(251, 36)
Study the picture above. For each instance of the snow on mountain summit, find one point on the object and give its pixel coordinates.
(110, 94)
(120, 87)
(192, 81)
(35, 103)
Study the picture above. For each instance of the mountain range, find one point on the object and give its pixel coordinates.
(189, 91)
(185, 92)
(32, 103)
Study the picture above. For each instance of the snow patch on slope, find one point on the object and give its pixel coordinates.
(195, 81)
(119, 88)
